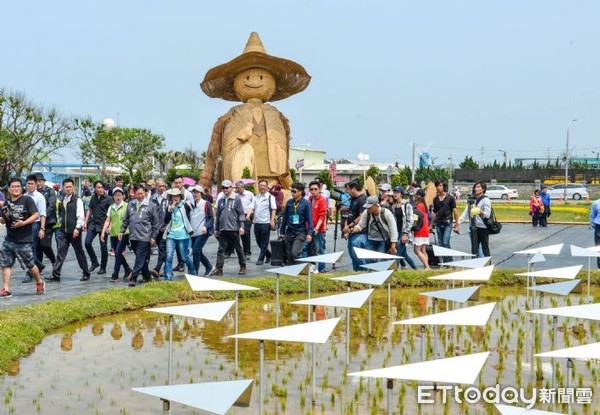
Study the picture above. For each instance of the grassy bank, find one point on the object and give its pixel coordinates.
(519, 212)
(22, 328)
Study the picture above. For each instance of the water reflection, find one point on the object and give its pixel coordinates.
(112, 356)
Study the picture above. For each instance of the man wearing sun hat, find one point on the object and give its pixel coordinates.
(253, 135)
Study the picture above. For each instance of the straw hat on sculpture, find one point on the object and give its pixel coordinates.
(254, 134)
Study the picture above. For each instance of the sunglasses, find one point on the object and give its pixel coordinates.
(225, 188)
(314, 188)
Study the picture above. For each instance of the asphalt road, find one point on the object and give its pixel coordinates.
(514, 237)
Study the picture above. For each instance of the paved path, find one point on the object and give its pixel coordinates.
(514, 237)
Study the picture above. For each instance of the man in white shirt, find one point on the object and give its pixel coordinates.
(264, 210)
(38, 227)
(72, 217)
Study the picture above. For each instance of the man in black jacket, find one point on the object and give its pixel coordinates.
(70, 212)
(94, 221)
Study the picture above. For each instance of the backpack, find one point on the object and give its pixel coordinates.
(418, 220)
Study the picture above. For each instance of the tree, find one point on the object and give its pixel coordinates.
(374, 173)
(135, 144)
(468, 163)
(28, 134)
(96, 143)
(326, 178)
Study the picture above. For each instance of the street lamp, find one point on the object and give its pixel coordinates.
(567, 159)
(364, 157)
(505, 157)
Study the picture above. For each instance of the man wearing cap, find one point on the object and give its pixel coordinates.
(385, 190)
(142, 220)
(358, 198)
(45, 245)
(297, 224)
(382, 233)
(247, 199)
(229, 226)
(94, 222)
(403, 213)
(160, 203)
(264, 210)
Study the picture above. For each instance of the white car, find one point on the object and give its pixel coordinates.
(575, 191)
(498, 191)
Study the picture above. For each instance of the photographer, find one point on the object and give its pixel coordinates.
(358, 198)
(18, 213)
(178, 232)
(479, 208)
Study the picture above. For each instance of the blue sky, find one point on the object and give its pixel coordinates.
(452, 76)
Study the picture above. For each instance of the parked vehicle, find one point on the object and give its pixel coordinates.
(575, 191)
(498, 191)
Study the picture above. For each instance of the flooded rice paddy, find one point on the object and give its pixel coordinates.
(91, 368)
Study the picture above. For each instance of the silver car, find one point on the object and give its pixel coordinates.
(575, 191)
(498, 191)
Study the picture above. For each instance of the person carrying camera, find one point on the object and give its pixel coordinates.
(297, 224)
(358, 198)
(379, 222)
(18, 213)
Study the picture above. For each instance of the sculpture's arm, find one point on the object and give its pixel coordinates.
(213, 153)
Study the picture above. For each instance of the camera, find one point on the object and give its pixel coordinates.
(8, 213)
(337, 194)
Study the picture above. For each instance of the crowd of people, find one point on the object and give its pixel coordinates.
(176, 222)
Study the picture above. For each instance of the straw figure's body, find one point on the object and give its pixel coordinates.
(253, 135)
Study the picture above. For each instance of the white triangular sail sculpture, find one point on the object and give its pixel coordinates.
(206, 311)
(469, 263)
(477, 274)
(314, 332)
(367, 254)
(477, 315)
(584, 252)
(372, 278)
(546, 250)
(567, 273)
(585, 311)
(291, 270)
(381, 265)
(587, 351)
(214, 397)
(324, 259)
(459, 295)
(210, 284)
(559, 288)
(353, 299)
(514, 410)
(443, 251)
(537, 258)
(461, 369)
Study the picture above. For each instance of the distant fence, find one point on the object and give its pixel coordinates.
(547, 176)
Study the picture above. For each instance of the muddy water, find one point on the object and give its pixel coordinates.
(91, 368)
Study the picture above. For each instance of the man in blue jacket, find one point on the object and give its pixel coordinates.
(297, 224)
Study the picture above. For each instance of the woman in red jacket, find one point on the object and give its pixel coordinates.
(421, 236)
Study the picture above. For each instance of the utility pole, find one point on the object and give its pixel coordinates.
(412, 170)
(597, 153)
(567, 160)
(481, 159)
(505, 158)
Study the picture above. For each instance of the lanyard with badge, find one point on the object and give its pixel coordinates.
(295, 216)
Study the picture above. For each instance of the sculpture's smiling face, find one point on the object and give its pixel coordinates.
(254, 83)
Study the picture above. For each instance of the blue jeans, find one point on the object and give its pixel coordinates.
(444, 232)
(402, 252)
(198, 243)
(378, 246)
(317, 247)
(357, 240)
(182, 246)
